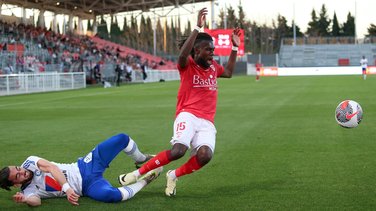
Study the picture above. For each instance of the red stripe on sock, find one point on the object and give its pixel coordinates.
(160, 159)
(188, 167)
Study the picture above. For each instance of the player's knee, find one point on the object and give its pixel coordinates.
(204, 155)
(178, 151)
(123, 138)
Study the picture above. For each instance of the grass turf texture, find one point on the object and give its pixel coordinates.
(278, 145)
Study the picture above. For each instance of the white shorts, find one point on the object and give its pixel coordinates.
(193, 132)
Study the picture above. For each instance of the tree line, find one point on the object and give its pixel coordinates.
(259, 38)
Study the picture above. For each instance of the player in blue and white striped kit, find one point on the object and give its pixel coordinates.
(39, 178)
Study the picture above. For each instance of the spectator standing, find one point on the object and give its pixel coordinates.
(128, 74)
(119, 72)
(144, 68)
(97, 72)
(8, 69)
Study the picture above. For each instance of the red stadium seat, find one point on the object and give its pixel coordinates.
(343, 62)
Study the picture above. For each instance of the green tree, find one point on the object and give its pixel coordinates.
(38, 22)
(371, 30)
(133, 35)
(281, 30)
(298, 32)
(323, 22)
(187, 29)
(89, 26)
(115, 31)
(336, 30)
(241, 22)
(178, 28)
(221, 16)
(246, 26)
(349, 26)
(313, 25)
(256, 38)
(143, 36)
(58, 28)
(125, 25)
(231, 18)
(149, 33)
(172, 38)
(102, 30)
(126, 32)
(159, 32)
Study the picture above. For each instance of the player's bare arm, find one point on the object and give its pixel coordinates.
(31, 200)
(189, 43)
(229, 69)
(49, 167)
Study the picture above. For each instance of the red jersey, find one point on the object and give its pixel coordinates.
(198, 89)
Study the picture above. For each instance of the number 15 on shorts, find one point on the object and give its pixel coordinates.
(180, 126)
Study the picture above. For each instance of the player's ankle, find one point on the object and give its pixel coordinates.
(136, 173)
(172, 174)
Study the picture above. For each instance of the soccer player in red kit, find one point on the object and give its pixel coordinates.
(196, 106)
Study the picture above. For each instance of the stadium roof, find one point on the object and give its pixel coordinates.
(88, 8)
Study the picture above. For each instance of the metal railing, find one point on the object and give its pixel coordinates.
(13, 84)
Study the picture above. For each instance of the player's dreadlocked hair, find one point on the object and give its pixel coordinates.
(200, 37)
(4, 181)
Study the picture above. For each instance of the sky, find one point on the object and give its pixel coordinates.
(263, 11)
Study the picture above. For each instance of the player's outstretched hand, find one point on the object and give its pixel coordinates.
(202, 17)
(19, 197)
(72, 196)
(235, 37)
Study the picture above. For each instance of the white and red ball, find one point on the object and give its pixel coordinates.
(349, 114)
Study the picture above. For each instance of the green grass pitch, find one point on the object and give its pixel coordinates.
(278, 145)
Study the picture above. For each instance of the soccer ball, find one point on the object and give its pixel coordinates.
(349, 114)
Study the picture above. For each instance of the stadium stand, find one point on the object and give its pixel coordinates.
(155, 61)
(29, 49)
(318, 55)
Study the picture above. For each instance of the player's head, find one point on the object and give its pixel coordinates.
(4, 178)
(14, 176)
(203, 49)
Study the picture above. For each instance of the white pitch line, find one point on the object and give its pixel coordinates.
(55, 99)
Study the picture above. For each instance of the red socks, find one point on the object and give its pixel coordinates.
(188, 167)
(159, 160)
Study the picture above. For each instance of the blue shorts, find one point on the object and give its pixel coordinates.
(93, 165)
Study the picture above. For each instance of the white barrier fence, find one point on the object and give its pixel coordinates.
(157, 75)
(31, 83)
(308, 71)
(110, 76)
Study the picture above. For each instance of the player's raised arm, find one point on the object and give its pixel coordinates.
(49, 167)
(229, 69)
(186, 49)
